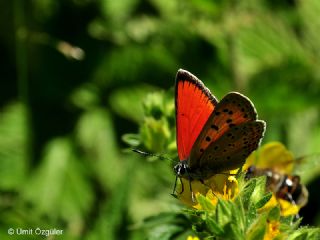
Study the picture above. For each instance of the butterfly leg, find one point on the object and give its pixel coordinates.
(175, 186)
(190, 186)
(182, 186)
(192, 194)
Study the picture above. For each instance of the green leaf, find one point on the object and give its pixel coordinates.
(155, 134)
(264, 200)
(205, 203)
(274, 214)
(289, 224)
(112, 217)
(240, 216)
(164, 232)
(95, 134)
(85, 97)
(232, 231)
(127, 102)
(13, 146)
(258, 228)
(131, 139)
(267, 42)
(214, 227)
(167, 224)
(247, 191)
(259, 190)
(251, 214)
(164, 217)
(59, 187)
(288, 220)
(223, 212)
(305, 233)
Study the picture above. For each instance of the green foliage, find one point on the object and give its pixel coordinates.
(13, 149)
(157, 128)
(237, 219)
(63, 117)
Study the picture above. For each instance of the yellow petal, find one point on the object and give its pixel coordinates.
(272, 230)
(269, 205)
(218, 186)
(192, 238)
(273, 155)
(288, 208)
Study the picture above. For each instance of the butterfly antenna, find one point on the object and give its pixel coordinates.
(147, 154)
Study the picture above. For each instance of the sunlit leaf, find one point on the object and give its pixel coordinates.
(95, 134)
(13, 146)
(59, 186)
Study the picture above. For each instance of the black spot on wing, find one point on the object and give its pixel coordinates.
(215, 127)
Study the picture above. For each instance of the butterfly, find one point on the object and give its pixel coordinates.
(212, 137)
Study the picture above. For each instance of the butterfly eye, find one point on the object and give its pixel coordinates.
(180, 169)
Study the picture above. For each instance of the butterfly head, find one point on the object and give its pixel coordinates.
(182, 169)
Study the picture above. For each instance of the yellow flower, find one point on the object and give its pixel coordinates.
(272, 230)
(279, 159)
(269, 205)
(193, 238)
(218, 186)
(287, 208)
(272, 155)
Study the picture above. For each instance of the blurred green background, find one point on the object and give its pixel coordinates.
(75, 75)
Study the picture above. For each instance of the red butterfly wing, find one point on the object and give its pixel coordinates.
(194, 104)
